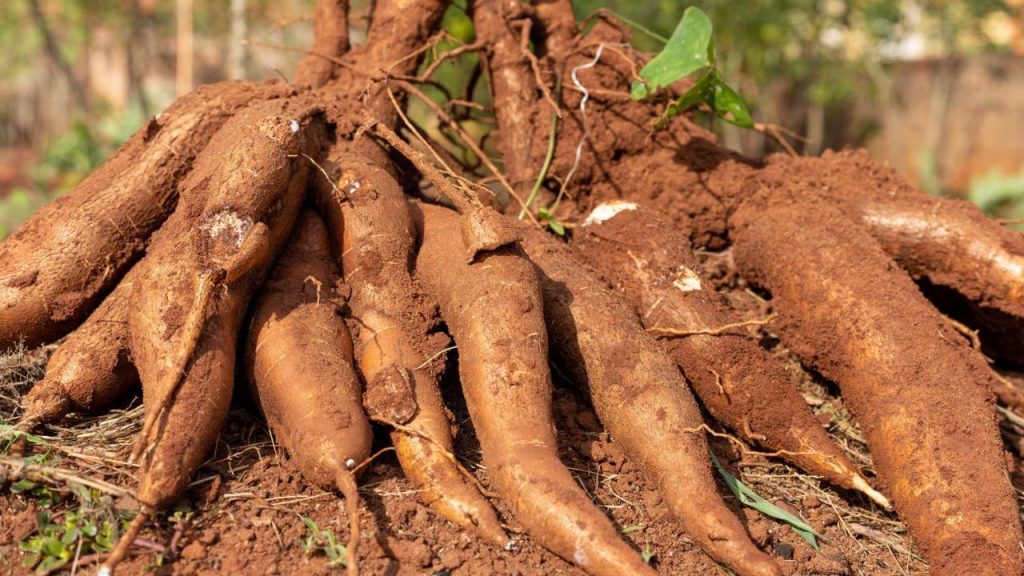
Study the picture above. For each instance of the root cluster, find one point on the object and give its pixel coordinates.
(277, 236)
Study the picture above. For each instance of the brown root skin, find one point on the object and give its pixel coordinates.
(922, 402)
(393, 45)
(558, 28)
(494, 309)
(252, 173)
(650, 263)
(972, 266)
(956, 247)
(482, 228)
(299, 363)
(515, 90)
(393, 321)
(59, 264)
(424, 444)
(91, 369)
(952, 244)
(641, 399)
(330, 41)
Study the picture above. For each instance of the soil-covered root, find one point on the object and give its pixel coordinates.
(236, 211)
(423, 443)
(647, 259)
(330, 40)
(494, 309)
(299, 363)
(392, 320)
(968, 264)
(922, 401)
(56, 267)
(91, 369)
(955, 246)
(641, 398)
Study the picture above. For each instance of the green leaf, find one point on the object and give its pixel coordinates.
(632, 528)
(30, 560)
(647, 554)
(31, 545)
(637, 91)
(43, 520)
(52, 546)
(52, 563)
(23, 485)
(748, 497)
(544, 213)
(105, 539)
(688, 50)
(729, 105)
(700, 93)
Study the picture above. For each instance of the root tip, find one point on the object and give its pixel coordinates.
(861, 485)
(120, 552)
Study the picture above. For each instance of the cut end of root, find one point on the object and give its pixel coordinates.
(483, 230)
(607, 211)
(861, 485)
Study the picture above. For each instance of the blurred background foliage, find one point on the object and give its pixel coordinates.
(934, 87)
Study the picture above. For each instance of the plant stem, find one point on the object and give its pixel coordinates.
(641, 28)
(548, 158)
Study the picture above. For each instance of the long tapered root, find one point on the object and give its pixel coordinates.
(191, 331)
(919, 394)
(253, 171)
(59, 264)
(373, 231)
(346, 483)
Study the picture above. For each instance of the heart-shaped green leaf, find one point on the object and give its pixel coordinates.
(688, 50)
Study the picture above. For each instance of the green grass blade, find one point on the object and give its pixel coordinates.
(752, 499)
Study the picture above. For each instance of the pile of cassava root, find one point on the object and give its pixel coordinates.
(284, 230)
